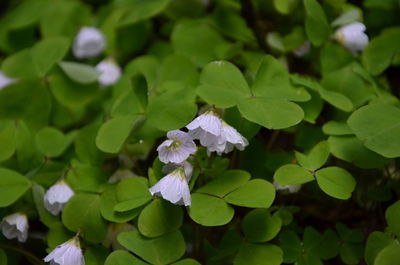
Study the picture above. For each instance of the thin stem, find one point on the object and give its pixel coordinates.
(35, 260)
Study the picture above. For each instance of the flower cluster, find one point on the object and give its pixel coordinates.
(213, 133)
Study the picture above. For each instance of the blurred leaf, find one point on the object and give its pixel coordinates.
(351, 149)
(392, 215)
(159, 251)
(316, 158)
(12, 186)
(259, 226)
(376, 242)
(45, 216)
(292, 175)
(114, 132)
(336, 128)
(82, 212)
(256, 193)
(389, 255)
(336, 182)
(379, 53)
(159, 217)
(51, 142)
(317, 27)
(7, 139)
(222, 84)
(172, 109)
(208, 210)
(291, 246)
(122, 257)
(376, 125)
(197, 41)
(226, 183)
(81, 73)
(132, 193)
(266, 254)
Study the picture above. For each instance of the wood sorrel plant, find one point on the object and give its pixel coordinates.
(246, 132)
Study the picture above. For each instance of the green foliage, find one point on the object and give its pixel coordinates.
(315, 181)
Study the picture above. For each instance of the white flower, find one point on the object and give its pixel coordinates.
(89, 43)
(15, 226)
(287, 188)
(68, 253)
(110, 72)
(5, 81)
(228, 139)
(58, 195)
(352, 37)
(177, 148)
(173, 187)
(302, 49)
(188, 168)
(206, 127)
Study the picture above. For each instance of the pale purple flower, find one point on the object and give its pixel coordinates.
(68, 253)
(57, 196)
(302, 49)
(353, 37)
(5, 80)
(173, 187)
(89, 43)
(15, 226)
(110, 72)
(207, 128)
(168, 168)
(228, 139)
(177, 148)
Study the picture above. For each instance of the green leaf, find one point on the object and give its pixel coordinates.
(389, 255)
(3, 257)
(256, 193)
(177, 67)
(45, 216)
(291, 246)
(272, 81)
(7, 140)
(82, 212)
(340, 80)
(51, 142)
(187, 262)
(95, 255)
(336, 182)
(376, 242)
(108, 200)
(381, 50)
(259, 226)
(266, 254)
(174, 108)
(122, 257)
(351, 254)
(159, 251)
(336, 99)
(209, 210)
(316, 158)
(292, 175)
(197, 41)
(47, 52)
(141, 9)
(71, 94)
(378, 127)
(81, 73)
(132, 193)
(20, 65)
(316, 24)
(392, 215)
(227, 182)
(329, 246)
(271, 113)
(12, 186)
(114, 132)
(86, 178)
(222, 84)
(351, 149)
(159, 217)
(336, 128)
(285, 6)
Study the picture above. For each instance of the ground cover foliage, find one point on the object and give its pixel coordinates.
(305, 166)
